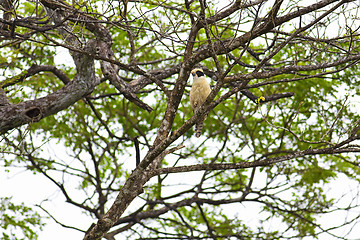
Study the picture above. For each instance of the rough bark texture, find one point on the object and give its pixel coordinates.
(15, 115)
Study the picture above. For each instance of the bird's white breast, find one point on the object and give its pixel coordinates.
(199, 92)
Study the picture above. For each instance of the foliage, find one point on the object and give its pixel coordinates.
(18, 221)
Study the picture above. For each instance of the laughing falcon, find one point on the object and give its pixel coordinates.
(199, 92)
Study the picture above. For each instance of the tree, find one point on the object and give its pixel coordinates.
(283, 123)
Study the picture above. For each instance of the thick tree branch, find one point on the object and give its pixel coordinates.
(15, 115)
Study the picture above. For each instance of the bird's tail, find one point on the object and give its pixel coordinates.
(199, 126)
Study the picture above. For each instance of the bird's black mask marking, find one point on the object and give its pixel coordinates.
(199, 73)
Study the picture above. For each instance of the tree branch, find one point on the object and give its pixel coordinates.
(84, 83)
(258, 163)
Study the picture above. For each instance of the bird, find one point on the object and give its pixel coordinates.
(200, 90)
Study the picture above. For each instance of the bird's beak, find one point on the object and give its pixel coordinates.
(193, 74)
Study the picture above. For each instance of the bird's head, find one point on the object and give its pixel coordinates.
(197, 72)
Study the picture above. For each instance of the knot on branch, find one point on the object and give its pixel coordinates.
(104, 223)
(33, 113)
